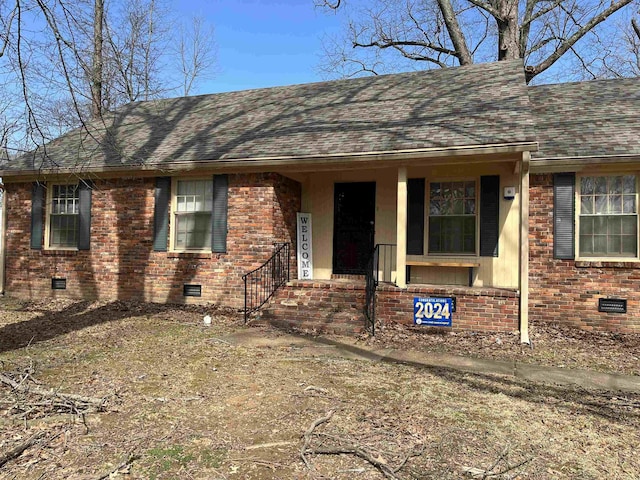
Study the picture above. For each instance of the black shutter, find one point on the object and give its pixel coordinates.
(161, 214)
(219, 214)
(563, 216)
(415, 216)
(37, 197)
(489, 215)
(84, 217)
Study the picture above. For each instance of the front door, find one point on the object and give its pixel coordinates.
(353, 226)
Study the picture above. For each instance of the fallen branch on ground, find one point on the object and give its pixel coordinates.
(493, 471)
(16, 451)
(349, 447)
(97, 403)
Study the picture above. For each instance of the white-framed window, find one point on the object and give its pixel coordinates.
(63, 212)
(192, 204)
(608, 216)
(452, 217)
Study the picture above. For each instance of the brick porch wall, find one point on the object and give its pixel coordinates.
(566, 291)
(122, 264)
(487, 309)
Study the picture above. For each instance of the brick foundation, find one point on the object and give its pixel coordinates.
(567, 291)
(487, 309)
(121, 263)
(327, 305)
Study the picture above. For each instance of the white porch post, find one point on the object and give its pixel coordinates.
(401, 229)
(524, 248)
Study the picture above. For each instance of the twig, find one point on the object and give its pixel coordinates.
(97, 402)
(376, 460)
(17, 451)
(309, 432)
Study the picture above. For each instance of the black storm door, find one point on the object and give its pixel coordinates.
(353, 226)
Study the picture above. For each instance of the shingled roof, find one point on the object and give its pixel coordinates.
(589, 119)
(477, 105)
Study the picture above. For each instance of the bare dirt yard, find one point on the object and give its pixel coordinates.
(125, 390)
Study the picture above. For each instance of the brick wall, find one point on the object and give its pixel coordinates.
(122, 264)
(491, 309)
(566, 291)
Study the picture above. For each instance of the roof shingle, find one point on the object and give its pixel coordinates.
(467, 106)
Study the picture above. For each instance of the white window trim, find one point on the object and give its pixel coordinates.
(578, 207)
(172, 215)
(427, 211)
(48, 212)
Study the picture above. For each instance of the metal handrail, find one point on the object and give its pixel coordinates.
(372, 279)
(261, 283)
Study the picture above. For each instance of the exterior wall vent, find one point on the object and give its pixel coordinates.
(192, 290)
(612, 305)
(58, 284)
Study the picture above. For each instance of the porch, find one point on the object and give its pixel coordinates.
(338, 306)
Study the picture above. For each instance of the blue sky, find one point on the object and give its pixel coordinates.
(263, 43)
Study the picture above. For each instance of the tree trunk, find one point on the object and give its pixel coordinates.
(455, 32)
(96, 73)
(508, 30)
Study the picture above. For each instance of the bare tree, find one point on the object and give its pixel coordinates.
(197, 53)
(388, 34)
(70, 61)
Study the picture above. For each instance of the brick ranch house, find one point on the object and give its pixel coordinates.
(519, 202)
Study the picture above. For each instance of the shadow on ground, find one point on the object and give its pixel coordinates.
(623, 407)
(76, 316)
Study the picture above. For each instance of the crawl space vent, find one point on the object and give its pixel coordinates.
(192, 290)
(612, 305)
(58, 284)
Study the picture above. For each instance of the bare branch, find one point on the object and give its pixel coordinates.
(571, 41)
(404, 43)
(486, 6)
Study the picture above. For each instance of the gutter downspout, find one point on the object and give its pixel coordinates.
(523, 277)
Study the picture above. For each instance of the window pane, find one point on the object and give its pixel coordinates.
(63, 216)
(613, 245)
(586, 245)
(629, 245)
(608, 220)
(600, 244)
(435, 208)
(615, 204)
(586, 205)
(629, 225)
(470, 190)
(615, 185)
(587, 186)
(63, 230)
(469, 207)
(586, 226)
(600, 185)
(194, 196)
(629, 182)
(452, 217)
(193, 230)
(614, 226)
(629, 204)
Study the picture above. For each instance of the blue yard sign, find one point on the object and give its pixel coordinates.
(434, 312)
